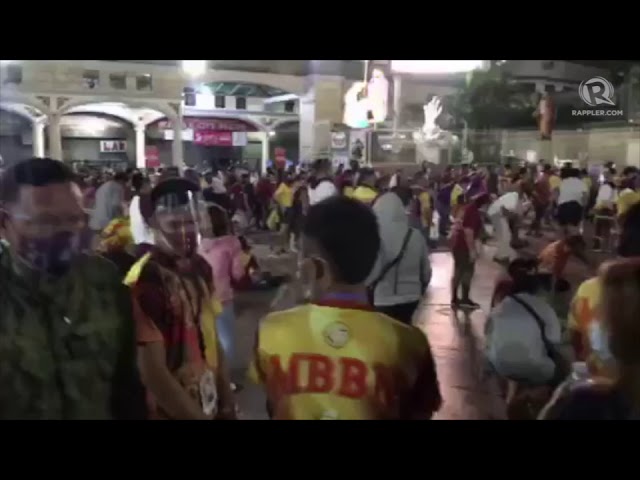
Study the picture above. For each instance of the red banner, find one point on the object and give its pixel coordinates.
(152, 156)
(280, 155)
(212, 138)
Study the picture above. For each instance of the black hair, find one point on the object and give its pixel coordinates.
(365, 173)
(346, 231)
(34, 172)
(629, 241)
(138, 180)
(172, 192)
(220, 223)
(208, 177)
(121, 177)
(546, 167)
(522, 272)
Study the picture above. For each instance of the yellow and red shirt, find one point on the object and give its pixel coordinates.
(583, 313)
(341, 360)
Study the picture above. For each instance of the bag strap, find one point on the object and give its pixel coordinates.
(387, 268)
(547, 344)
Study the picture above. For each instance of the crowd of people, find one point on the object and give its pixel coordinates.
(117, 292)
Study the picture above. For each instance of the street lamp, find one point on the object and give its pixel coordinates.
(194, 68)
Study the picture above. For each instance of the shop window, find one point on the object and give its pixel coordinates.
(13, 75)
(241, 103)
(118, 81)
(144, 83)
(289, 106)
(220, 101)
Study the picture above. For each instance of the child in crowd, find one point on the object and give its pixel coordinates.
(335, 351)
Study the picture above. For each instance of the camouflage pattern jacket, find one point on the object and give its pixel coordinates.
(67, 347)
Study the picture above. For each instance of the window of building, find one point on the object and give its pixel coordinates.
(289, 106)
(13, 75)
(220, 101)
(548, 65)
(189, 95)
(241, 103)
(118, 81)
(91, 78)
(144, 83)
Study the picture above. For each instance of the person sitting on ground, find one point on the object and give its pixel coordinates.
(553, 260)
(366, 191)
(521, 328)
(402, 270)
(336, 349)
(616, 397)
(584, 320)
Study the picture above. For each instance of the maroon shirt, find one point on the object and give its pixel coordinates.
(471, 220)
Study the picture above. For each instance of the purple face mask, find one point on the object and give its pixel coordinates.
(55, 254)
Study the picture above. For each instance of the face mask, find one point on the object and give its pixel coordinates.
(54, 254)
(183, 243)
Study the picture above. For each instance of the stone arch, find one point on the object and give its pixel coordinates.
(18, 98)
(163, 108)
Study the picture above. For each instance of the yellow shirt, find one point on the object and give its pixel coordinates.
(627, 199)
(348, 191)
(425, 202)
(583, 313)
(284, 195)
(325, 362)
(456, 191)
(554, 182)
(365, 194)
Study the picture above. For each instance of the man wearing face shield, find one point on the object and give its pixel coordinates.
(68, 345)
(182, 364)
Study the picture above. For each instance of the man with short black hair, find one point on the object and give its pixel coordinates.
(181, 361)
(68, 344)
(330, 359)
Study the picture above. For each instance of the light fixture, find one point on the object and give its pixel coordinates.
(272, 133)
(194, 68)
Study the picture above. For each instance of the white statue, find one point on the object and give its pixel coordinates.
(431, 134)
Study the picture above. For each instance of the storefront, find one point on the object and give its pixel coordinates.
(207, 141)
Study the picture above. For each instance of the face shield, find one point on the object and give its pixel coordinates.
(180, 224)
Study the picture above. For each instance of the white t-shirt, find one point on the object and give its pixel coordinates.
(324, 189)
(572, 190)
(139, 229)
(606, 194)
(509, 200)
(514, 344)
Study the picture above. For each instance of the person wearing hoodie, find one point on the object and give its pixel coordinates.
(223, 252)
(402, 270)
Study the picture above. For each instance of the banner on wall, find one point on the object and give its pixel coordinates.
(113, 146)
(152, 156)
(358, 146)
(212, 138)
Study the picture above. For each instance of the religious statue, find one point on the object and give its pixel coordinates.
(431, 134)
(546, 115)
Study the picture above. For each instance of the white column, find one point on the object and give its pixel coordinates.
(265, 151)
(140, 146)
(55, 137)
(38, 137)
(397, 103)
(177, 151)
